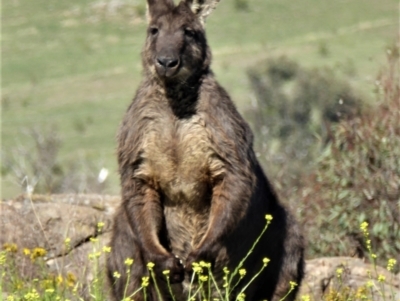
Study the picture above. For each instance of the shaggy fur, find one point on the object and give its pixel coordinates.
(191, 184)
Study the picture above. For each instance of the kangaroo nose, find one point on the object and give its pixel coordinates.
(167, 62)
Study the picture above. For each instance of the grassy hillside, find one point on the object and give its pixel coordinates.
(75, 65)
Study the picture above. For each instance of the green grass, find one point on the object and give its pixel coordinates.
(68, 64)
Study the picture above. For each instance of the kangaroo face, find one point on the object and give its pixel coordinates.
(176, 45)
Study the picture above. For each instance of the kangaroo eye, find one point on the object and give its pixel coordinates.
(189, 32)
(153, 31)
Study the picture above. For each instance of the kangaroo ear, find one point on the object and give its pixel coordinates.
(158, 7)
(202, 8)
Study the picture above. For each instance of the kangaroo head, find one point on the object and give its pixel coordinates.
(176, 46)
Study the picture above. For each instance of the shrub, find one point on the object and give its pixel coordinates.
(292, 110)
(357, 178)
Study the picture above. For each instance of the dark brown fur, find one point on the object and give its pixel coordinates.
(191, 184)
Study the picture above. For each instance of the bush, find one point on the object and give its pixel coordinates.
(292, 110)
(357, 178)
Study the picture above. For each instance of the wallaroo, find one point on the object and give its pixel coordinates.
(192, 189)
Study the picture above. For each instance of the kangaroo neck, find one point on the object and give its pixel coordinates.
(183, 96)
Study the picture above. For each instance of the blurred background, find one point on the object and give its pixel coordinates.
(305, 74)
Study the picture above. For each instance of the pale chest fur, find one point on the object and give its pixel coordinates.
(178, 156)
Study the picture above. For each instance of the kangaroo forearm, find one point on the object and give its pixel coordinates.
(229, 203)
(145, 217)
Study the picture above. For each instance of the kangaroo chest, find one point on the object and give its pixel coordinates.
(178, 156)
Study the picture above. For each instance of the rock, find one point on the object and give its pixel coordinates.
(46, 221)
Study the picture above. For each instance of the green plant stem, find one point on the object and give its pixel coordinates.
(287, 294)
(190, 286)
(251, 280)
(170, 289)
(127, 282)
(135, 292)
(211, 276)
(248, 254)
(155, 284)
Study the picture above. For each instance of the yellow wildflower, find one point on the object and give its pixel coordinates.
(2, 257)
(94, 255)
(241, 297)
(204, 264)
(391, 263)
(203, 278)
(242, 272)
(145, 281)
(116, 275)
(339, 272)
(10, 247)
(59, 279)
(266, 260)
(305, 298)
(150, 265)
(38, 252)
(268, 217)
(106, 249)
(128, 262)
(364, 226)
(292, 285)
(197, 268)
(71, 279)
(32, 295)
(381, 278)
(100, 225)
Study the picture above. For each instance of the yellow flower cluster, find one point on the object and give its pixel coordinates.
(391, 263)
(94, 255)
(292, 285)
(128, 262)
(2, 257)
(117, 275)
(241, 297)
(197, 268)
(10, 247)
(150, 265)
(305, 298)
(33, 295)
(145, 281)
(364, 229)
(38, 252)
(100, 226)
(203, 278)
(339, 272)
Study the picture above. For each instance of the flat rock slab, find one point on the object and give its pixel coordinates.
(46, 221)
